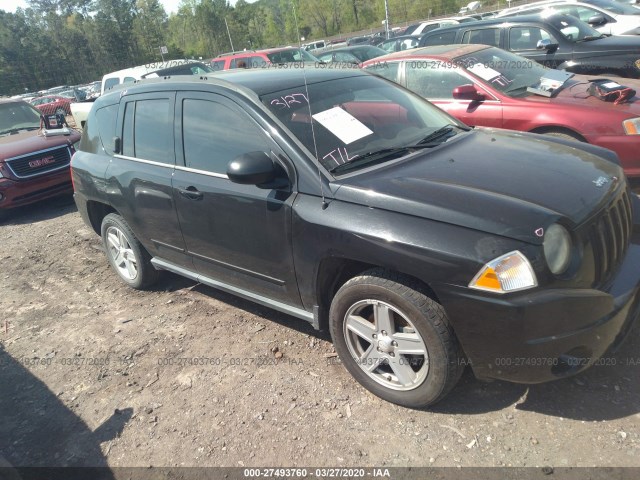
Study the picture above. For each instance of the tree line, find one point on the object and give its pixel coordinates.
(70, 42)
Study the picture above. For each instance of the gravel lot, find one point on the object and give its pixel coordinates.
(93, 373)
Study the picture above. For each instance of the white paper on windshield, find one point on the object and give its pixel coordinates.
(610, 85)
(483, 72)
(343, 125)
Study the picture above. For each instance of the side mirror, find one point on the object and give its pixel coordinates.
(254, 168)
(597, 19)
(467, 92)
(546, 45)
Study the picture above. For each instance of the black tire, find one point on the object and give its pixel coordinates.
(565, 135)
(145, 274)
(426, 319)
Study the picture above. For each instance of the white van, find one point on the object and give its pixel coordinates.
(80, 110)
(155, 69)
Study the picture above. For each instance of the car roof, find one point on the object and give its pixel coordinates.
(347, 49)
(148, 68)
(502, 21)
(258, 81)
(442, 51)
(12, 100)
(404, 37)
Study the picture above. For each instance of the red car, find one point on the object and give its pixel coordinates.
(261, 58)
(51, 104)
(486, 86)
(33, 166)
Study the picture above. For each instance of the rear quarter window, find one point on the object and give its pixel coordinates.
(110, 83)
(99, 131)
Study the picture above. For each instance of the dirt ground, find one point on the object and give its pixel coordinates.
(94, 373)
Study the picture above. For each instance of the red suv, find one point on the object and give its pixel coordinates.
(34, 164)
(260, 58)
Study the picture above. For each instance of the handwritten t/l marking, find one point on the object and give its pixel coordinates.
(342, 152)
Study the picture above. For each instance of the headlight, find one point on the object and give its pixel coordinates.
(557, 248)
(508, 273)
(632, 126)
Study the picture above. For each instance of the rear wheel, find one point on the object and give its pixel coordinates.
(126, 254)
(395, 340)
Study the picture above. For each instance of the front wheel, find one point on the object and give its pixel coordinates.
(564, 135)
(126, 254)
(395, 340)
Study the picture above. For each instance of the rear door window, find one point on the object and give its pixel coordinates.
(147, 131)
(483, 36)
(445, 38)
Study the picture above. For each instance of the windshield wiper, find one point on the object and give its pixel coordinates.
(434, 139)
(591, 37)
(377, 155)
(18, 130)
(441, 133)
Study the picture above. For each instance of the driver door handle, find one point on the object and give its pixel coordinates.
(191, 193)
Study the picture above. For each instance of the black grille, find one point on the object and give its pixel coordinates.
(609, 237)
(40, 162)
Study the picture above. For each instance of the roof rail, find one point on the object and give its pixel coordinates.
(233, 53)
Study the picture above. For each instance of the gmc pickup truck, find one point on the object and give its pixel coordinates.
(340, 198)
(34, 162)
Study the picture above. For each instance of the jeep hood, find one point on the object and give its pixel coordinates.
(27, 142)
(502, 182)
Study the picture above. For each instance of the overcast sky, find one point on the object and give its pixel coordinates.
(170, 6)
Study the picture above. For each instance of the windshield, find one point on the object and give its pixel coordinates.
(506, 72)
(355, 116)
(367, 53)
(572, 28)
(292, 55)
(614, 6)
(16, 116)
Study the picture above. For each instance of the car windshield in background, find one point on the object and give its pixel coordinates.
(355, 117)
(16, 116)
(572, 28)
(293, 55)
(510, 74)
(367, 53)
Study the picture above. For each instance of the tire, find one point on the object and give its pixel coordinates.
(126, 254)
(564, 135)
(416, 323)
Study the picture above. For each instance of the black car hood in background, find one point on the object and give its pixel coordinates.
(614, 45)
(505, 183)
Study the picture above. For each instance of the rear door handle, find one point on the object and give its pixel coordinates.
(191, 193)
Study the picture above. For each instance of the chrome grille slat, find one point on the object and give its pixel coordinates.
(609, 237)
(39, 163)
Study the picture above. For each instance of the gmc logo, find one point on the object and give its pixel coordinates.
(42, 161)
